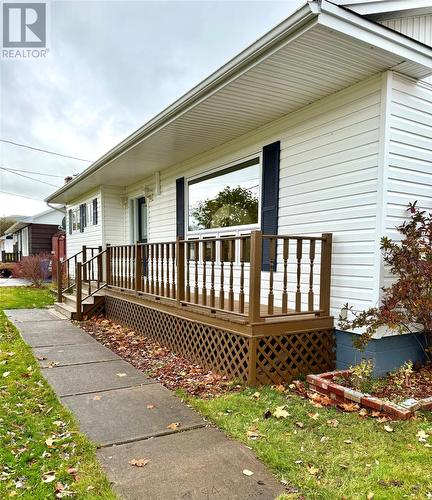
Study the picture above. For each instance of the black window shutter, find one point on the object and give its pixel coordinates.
(82, 217)
(70, 221)
(180, 207)
(269, 196)
(95, 212)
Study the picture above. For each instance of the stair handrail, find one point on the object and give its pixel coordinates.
(87, 268)
(61, 265)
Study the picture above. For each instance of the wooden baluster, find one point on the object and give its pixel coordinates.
(147, 268)
(152, 255)
(285, 276)
(187, 271)
(167, 255)
(99, 266)
(221, 291)
(325, 273)
(212, 276)
(138, 267)
(196, 258)
(162, 258)
(272, 254)
(157, 268)
(173, 274)
(180, 263)
(68, 274)
(204, 276)
(242, 263)
(231, 249)
(299, 258)
(116, 266)
(121, 266)
(311, 259)
(133, 266)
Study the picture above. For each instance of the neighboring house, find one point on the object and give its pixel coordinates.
(6, 243)
(325, 126)
(33, 235)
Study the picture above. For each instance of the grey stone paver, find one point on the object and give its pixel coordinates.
(130, 416)
(94, 377)
(73, 354)
(32, 315)
(198, 464)
(121, 415)
(52, 333)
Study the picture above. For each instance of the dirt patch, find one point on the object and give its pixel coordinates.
(172, 370)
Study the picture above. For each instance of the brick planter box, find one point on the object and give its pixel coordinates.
(324, 384)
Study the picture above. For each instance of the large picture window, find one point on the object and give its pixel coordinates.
(227, 198)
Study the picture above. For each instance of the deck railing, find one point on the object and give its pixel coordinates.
(254, 276)
(10, 257)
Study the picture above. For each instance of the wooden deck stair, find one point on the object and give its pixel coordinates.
(68, 306)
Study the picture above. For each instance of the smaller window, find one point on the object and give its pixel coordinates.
(89, 208)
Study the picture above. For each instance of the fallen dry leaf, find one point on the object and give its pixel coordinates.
(150, 407)
(49, 442)
(370, 496)
(247, 472)
(139, 462)
(280, 412)
(48, 477)
(387, 428)
(300, 424)
(97, 398)
(422, 436)
(313, 416)
(173, 426)
(256, 395)
(121, 374)
(350, 407)
(312, 470)
(333, 422)
(348, 441)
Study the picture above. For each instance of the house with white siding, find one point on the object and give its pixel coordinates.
(236, 223)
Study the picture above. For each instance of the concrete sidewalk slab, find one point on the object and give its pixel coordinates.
(52, 333)
(31, 315)
(73, 354)
(121, 416)
(94, 377)
(198, 464)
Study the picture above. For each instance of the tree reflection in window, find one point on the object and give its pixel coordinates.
(226, 198)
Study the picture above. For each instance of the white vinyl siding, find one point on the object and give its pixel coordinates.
(417, 27)
(92, 235)
(409, 175)
(114, 215)
(328, 183)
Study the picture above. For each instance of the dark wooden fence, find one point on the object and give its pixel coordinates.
(10, 256)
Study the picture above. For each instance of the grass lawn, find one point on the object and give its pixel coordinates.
(324, 453)
(42, 454)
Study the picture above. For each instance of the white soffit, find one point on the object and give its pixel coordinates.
(322, 57)
(386, 9)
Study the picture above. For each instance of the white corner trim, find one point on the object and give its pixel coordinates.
(382, 185)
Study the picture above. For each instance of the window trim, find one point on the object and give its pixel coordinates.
(221, 231)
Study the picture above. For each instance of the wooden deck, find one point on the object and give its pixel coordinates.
(251, 307)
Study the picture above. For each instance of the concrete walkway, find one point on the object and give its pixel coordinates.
(14, 282)
(129, 416)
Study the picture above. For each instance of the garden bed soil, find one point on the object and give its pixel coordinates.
(157, 361)
(391, 397)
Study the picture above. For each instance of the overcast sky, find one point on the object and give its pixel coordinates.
(112, 66)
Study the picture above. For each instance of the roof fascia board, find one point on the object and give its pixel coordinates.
(355, 25)
(306, 14)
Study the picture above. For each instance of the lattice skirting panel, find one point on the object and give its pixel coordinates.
(263, 360)
(283, 358)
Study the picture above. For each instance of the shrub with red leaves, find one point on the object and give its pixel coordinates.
(35, 268)
(407, 303)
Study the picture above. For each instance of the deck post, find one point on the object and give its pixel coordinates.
(325, 273)
(99, 264)
(78, 278)
(138, 267)
(108, 264)
(84, 259)
(180, 260)
(255, 277)
(252, 361)
(59, 270)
